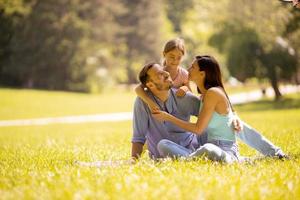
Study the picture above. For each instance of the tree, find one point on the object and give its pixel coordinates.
(50, 45)
(176, 12)
(251, 42)
(142, 34)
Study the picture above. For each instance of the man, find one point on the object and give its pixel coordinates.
(146, 129)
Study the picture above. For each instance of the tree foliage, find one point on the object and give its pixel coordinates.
(74, 44)
(255, 44)
(84, 45)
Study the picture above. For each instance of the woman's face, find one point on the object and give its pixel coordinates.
(194, 72)
(173, 58)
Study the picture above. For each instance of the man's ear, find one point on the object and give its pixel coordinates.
(150, 85)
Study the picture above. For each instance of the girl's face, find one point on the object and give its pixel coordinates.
(173, 58)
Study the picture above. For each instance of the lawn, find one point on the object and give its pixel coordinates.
(22, 104)
(36, 162)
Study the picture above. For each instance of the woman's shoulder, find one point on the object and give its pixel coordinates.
(215, 92)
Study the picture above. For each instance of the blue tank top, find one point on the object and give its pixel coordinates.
(220, 127)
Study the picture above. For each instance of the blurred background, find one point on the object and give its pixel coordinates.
(90, 46)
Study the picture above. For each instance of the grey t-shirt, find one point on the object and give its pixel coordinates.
(147, 129)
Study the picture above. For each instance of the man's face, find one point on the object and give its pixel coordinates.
(159, 79)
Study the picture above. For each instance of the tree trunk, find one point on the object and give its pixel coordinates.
(274, 82)
(275, 87)
(130, 72)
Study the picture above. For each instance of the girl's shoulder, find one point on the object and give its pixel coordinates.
(183, 70)
(183, 73)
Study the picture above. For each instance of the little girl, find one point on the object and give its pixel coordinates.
(173, 52)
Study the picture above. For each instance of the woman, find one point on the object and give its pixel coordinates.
(215, 115)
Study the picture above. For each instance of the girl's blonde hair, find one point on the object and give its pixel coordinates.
(176, 43)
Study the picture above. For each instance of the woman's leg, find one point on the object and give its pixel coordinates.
(213, 152)
(167, 148)
(257, 141)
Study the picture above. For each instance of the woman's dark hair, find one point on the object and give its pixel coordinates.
(213, 75)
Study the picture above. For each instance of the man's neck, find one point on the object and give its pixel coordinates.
(163, 95)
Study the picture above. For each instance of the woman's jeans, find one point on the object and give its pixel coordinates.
(216, 150)
(249, 136)
(257, 141)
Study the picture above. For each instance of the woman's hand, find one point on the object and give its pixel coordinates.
(160, 115)
(237, 124)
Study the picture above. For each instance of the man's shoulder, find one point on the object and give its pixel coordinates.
(139, 102)
(187, 97)
(189, 101)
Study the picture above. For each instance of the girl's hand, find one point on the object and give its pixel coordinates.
(153, 107)
(182, 91)
(160, 115)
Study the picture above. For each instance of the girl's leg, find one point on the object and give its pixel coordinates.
(167, 148)
(213, 152)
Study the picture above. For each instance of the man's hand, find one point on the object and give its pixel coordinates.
(237, 124)
(136, 151)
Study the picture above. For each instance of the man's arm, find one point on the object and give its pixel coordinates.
(136, 150)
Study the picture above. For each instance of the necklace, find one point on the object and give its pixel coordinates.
(166, 108)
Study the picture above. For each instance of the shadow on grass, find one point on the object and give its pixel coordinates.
(258, 159)
(288, 102)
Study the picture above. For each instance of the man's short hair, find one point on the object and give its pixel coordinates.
(143, 75)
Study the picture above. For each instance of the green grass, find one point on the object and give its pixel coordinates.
(36, 162)
(20, 104)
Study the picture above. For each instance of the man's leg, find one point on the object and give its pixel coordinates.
(257, 141)
(167, 148)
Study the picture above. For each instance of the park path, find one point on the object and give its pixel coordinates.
(239, 98)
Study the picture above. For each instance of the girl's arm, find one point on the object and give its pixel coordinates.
(210, 101)
(141, 93)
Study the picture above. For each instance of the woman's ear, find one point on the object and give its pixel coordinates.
(202, 73)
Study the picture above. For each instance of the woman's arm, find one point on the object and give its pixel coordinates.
(141, 93)
(210, 101)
